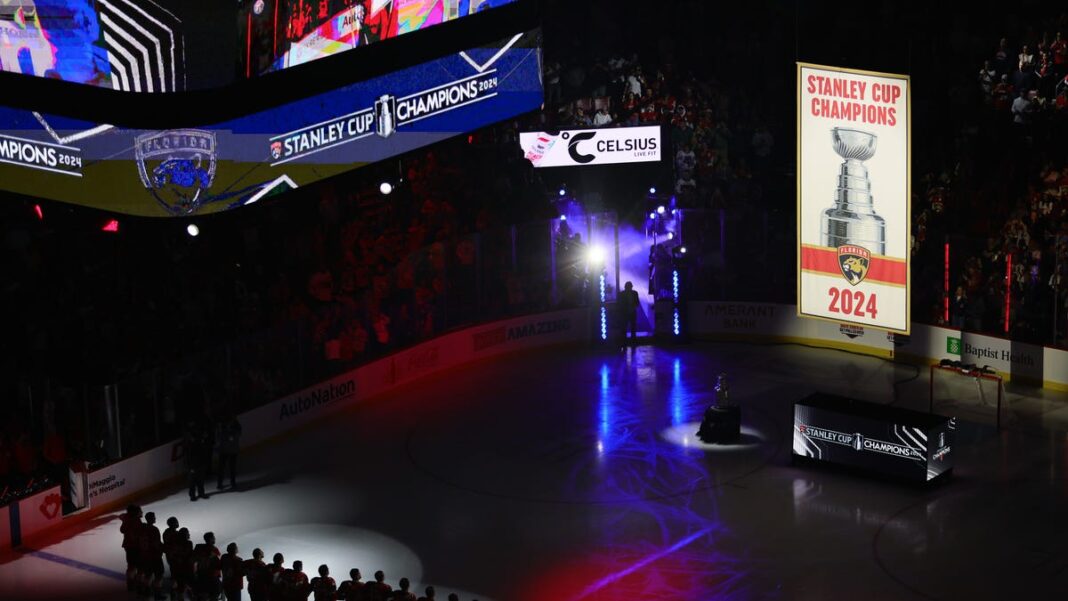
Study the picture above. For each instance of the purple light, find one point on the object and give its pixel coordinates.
(648, 559)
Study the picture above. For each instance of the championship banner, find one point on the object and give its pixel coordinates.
(853, 197)
(219, 166)
(592, 146)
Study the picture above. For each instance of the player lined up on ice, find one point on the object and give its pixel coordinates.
(203, 573)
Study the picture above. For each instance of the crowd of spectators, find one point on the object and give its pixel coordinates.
(1003, 207)
(202, 572)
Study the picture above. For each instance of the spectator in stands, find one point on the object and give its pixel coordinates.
(1022, 108)
(323, 586)
(352, 589)
(959, 308)
(987, 76)
(1026, 58)
(232, 567)
(601, 118)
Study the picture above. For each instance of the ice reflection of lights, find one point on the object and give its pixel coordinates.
(643, 562)
(678, 393)
(604, 429)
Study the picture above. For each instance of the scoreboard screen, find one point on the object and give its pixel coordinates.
(219, 166)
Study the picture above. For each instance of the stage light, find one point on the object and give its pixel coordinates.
(40, 213)
(652, 215)
(192, 229)
(652, 190)
(671, 235)
(111, 226)
(563, 217)
(595, 255)
(385, 188)
(562, 192)
(682, 250)
(660, 210)
(674, 211)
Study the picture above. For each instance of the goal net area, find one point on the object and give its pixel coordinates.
(967, 392)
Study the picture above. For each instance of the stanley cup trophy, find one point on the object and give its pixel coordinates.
(852, 220)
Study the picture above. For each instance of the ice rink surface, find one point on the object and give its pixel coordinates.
(573, 474)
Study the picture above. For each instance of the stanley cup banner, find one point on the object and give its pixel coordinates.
(853, 191)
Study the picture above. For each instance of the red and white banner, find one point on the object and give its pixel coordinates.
(853, 191)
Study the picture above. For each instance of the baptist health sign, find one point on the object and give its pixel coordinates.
(592, 146)
(853, 193)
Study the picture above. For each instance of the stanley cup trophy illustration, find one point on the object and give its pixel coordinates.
(852, 219)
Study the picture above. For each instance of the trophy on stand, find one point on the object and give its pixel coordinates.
(852, 220)
(722, 422)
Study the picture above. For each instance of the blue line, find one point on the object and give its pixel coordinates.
(78, 565)
(648, 559)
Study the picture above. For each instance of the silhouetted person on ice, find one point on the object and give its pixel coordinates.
(323, 586)
(378, 590)
(352, 589)
(197, 445)
(233, 573)
(628, 310)
(130, 526)
(403, 594)
(256, 572)
(229, 445)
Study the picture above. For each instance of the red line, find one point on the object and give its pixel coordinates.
(274, 35)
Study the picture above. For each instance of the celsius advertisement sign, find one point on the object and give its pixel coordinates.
(220, 166)
(592, 146)
(853, 191)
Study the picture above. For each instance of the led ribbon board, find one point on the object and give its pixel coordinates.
(853, 193)
(198, 170)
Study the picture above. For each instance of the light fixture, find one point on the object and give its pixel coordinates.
(385, 188)
(652, 189)
(595, 255)
(563, 217)
(562, 192)
(192, 229)
(660, 210)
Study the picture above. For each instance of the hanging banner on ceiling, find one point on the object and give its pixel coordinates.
(853, 193)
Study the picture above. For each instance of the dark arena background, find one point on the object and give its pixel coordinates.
(533, 300)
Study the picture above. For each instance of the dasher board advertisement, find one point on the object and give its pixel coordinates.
(592, 146)
(853, 196)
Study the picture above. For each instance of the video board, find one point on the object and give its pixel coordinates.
(130, 45)
(853, 197)
(280, 34)
(215, 167)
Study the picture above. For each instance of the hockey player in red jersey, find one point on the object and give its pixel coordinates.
(323, 586)
(256, 572)
(351, 589)
(130, 524)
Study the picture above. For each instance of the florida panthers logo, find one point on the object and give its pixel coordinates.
(854, 261)
(177, 166)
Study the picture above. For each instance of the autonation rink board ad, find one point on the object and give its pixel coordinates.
(853, 156)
